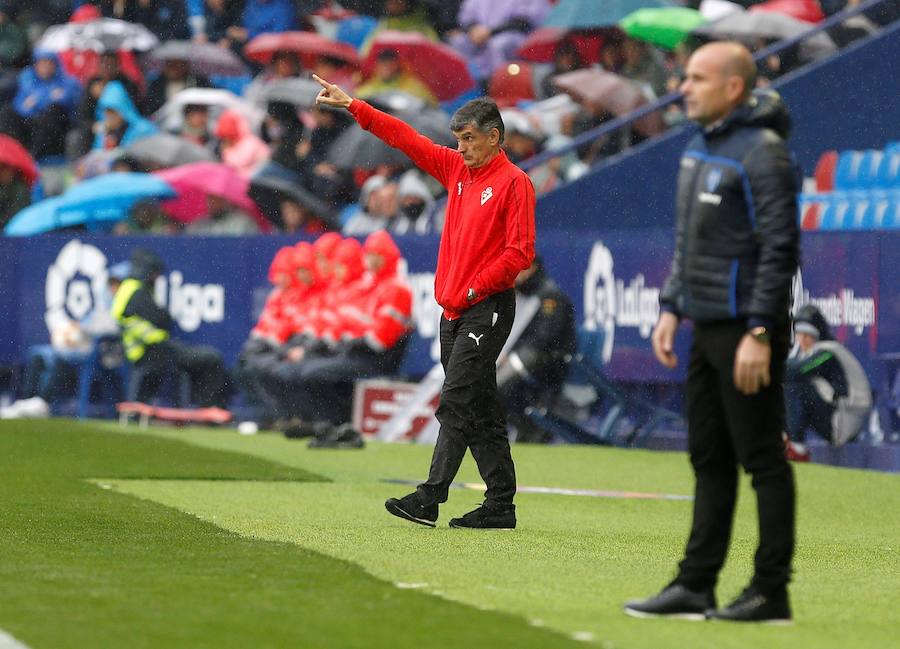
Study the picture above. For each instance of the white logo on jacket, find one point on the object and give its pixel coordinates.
(486, 195)
(477, 339)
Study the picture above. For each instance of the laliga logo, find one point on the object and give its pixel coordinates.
(75, 284)
(609, 303)
(842, 309)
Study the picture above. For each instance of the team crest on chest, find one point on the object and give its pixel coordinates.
(486, 195)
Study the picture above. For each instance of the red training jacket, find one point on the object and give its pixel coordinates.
(488, 232)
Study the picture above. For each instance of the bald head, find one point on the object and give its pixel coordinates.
(719, 77)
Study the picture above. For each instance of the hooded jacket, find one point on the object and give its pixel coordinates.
(59, 89)
(115, 97)
(737, 240)
(243, 151)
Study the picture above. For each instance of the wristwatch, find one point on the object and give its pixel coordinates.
(470, 295)
(761, 334)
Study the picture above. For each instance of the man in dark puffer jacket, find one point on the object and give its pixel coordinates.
(735, 256)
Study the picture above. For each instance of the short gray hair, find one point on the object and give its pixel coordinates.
(481, 112)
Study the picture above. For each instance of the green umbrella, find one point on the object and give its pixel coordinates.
(663, 26)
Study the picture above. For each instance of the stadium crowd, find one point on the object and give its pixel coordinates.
(89, 88)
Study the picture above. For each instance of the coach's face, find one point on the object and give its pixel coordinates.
(477, 147)
(710, 91)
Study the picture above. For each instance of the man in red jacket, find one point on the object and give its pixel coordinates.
(488, 238)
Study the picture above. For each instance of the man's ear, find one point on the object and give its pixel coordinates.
(735, 88)
(494, 137)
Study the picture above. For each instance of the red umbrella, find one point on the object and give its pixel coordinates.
(805, 10)
(439, 66)
(195, 181)
(541, 44)
(599, 90)
(14, 154)
(307, 45)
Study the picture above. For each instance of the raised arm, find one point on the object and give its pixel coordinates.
(436, 160)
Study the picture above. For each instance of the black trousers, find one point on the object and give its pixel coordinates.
(202, 364)
(727, 428)
(806, 409)
(470, 413)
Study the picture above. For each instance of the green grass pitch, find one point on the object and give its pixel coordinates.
(111, 537)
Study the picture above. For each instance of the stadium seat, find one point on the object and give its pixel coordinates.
(847, 171)
(809, 216)
(867, 175)
(835, 213)
(888, 176)
(825, 169)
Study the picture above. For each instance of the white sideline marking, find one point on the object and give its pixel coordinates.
(558, 491)
(401, 584)
(9, 642)
(583, 636)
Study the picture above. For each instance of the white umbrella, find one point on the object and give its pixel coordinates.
(171, 116)
(751, 26)
(102, 35)
(714, 9)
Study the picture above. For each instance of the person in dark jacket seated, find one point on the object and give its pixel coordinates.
(532, 373)
(149, 347)
(825, 389)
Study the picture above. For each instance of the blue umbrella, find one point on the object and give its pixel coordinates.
(100, 200)
(588, 14)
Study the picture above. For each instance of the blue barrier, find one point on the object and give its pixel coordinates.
(215, 288)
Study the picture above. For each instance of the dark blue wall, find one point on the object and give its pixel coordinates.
(849, 102)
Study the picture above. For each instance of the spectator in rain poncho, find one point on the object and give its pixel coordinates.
(389, 75)
(241, 149)
(119, 121)
(43, 108)
(826, 389)
(494, 29)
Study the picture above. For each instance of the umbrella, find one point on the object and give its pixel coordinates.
(605, 91)
(584, 14)
(269, 189)
(195, 181)
(751, 26)
(167, 150)
(715, 9)
(171, 116)
(540, 45)
(806, 10)
(14, 154)
(101, 200)
(204, 58)
(298, 91)
(307, 45)
(439, 66)
(666, 27)
(359, 149)
(103, 35)
(96, 162)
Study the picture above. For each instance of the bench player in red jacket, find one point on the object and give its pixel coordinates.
(488, 238)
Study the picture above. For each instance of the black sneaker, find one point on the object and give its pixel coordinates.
(413, 509)
(487, 518)
(344, 436)
(675, 601)
(754, 606)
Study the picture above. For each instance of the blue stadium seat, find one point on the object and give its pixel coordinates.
(835, 212)
(891, 218)
(888, 176)
(867, 175)
(846, 174)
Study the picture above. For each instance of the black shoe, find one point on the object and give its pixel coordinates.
(487, 518)
(675, 601)
(344, 436)
(754, 606)
(413, 509)
(296, 428)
